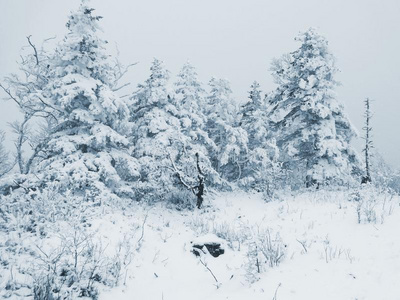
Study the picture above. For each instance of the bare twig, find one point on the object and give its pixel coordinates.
(179, 175)
(139, 242)
(34, 49)
(121, 87)
(211, 272)
(303, 244)
(276, 291)
(8, 92)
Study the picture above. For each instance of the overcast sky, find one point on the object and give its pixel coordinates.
(235, 40)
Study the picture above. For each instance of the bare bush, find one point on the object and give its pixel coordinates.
(264, 251)
(334, 252)
(235, 236)
(372, 205)
(273, 250)
(53, 265)
(200, 224)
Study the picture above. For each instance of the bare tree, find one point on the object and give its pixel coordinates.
(25, 92)
(368, 142)
(197, 188)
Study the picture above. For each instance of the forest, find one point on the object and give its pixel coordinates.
(175, 191)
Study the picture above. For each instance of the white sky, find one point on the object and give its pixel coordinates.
(235, 39)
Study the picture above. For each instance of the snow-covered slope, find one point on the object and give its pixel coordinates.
(327, 253)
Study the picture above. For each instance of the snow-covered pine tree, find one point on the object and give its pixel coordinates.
(86, 151)
(155, 133)
(310, 125)
(384, 176)
(261, 168)
(166, 154)
(190, 95)
(190, 101)
(229, 140)
(254, 119)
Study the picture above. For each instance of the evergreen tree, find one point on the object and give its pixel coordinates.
(310, 125)
(384, 175)
(86, 151)
(254, 118)
(229, 141)
(189, 93)
(260, 166)
(164, 139)
(156, 132)
(190, 101)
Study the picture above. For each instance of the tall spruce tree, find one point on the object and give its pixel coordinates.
(86, 151)
(190, 100)
(229, 141)
(156, 132)
(310, 125)
(189, 92)
(253, 117)
(260, 165)
(165, 135)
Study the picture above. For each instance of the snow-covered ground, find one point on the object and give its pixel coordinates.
(312, 245)
(328, 255)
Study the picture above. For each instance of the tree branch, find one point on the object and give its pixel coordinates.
(178, 174)
(34, 49)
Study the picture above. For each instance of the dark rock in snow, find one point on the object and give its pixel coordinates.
(208, 243)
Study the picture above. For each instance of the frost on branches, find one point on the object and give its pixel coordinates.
(4, 160)
(229, 140)
(310, 125)
(191, 103)
(261, 168)
(25, 91)
(86, 151)
(166, 136)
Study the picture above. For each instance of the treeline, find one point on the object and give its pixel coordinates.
(172, 138)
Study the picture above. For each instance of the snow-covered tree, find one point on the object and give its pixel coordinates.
(86, 151)
(310, 125)
(368, 142)
(155, 133)
(163, 147)
(189, 93)
(384, 175)
(190, 101)
(4, 159)
(253, 117)
(261, 169)
(229, 140)
(25, 91)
